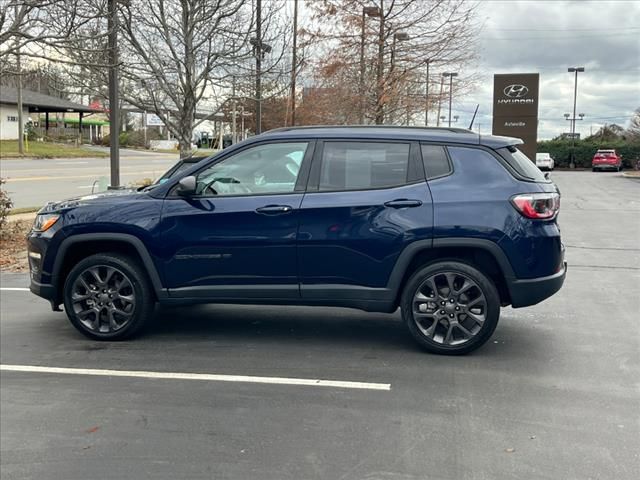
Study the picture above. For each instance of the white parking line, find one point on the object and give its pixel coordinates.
(15, 289)
(198, 376)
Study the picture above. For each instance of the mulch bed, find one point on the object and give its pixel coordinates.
(13, 246)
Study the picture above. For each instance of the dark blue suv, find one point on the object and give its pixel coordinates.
(443, 223)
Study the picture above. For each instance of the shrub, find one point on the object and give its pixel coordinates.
(560, 150)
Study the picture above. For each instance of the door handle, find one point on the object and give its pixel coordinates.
(403, 203)
(274, 209)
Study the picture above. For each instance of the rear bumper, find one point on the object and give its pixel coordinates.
(534, 290)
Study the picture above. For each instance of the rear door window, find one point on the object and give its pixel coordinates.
(435, 160)
(363, 166)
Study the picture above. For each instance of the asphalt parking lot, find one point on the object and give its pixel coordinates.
(555, 394)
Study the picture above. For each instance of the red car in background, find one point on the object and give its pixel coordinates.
(606, 160)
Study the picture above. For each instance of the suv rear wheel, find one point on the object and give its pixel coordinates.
(108, 297)
(450, 307)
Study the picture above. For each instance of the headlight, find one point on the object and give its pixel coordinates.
(45, 221)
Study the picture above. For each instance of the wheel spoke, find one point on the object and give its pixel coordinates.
(464, 330)
(122, 312)
(77, 297)
(95, 272)
(478, 319)
(465, 286)
(113, 324)
(449, 335)
(110, 272)
(451, 277)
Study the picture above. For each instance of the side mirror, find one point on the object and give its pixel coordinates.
(546, 175)
(187, 186)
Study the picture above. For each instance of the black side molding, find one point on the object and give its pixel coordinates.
(132, 240)
(414, 248)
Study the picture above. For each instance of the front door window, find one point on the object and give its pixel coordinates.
(262, 170)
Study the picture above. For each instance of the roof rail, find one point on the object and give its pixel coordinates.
(307, 127)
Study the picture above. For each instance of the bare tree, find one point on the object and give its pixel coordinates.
(400, 36)
(37, 28)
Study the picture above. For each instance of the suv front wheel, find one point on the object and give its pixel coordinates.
(450, 307)
(108, 297)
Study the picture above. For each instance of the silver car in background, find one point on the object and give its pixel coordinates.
(544, 161)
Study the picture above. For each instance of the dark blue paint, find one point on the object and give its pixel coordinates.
(328, 238)
(353, 238)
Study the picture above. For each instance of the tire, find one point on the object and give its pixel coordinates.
(419, 324)
(593, 169)
(117, 312)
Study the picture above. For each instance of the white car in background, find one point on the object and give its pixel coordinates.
(544, 161)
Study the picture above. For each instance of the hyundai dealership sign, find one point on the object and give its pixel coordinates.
(515, 108)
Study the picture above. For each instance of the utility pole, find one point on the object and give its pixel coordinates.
(234, 135)
(19, 92)
(114, 110)
(258, 51)
(440, 100)
(573, 120)
(450, 75)
(380, 70)
(294, 62)
(371, 12)
(426, 96)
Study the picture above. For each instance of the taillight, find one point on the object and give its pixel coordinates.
(539, 206)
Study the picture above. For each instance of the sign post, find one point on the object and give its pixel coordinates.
(515, 108)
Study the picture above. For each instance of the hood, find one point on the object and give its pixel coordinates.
(111, 196)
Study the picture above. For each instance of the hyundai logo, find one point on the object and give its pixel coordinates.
(516, 91)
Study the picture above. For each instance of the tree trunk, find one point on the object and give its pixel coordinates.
(185, 148)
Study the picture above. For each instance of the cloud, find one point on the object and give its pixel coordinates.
(547, 37)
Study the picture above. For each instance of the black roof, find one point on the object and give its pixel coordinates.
(39, 102)
(429, 134)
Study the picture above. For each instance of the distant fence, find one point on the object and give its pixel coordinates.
(90, 133)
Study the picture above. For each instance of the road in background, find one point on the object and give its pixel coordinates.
(33, 182)
(553, 395)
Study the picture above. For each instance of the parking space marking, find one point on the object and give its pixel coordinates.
(15, 289)
(307, 382)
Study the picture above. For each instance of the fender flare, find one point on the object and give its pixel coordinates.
(411, 250)
(132, 240)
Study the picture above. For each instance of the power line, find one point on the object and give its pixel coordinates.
(557, 29)
(573, 37)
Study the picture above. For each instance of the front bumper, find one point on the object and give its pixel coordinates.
(534, 290)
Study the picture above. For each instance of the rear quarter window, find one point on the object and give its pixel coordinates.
(522, 165)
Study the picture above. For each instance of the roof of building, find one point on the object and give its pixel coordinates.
(391, 132)
(39, 102)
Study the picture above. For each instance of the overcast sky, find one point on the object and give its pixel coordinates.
(549, 36)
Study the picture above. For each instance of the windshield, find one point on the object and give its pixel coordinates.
(522, 164)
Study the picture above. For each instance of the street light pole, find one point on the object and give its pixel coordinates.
(450, 75)
(258, 50)
(426, 97)
(397, 37)
(573, 121)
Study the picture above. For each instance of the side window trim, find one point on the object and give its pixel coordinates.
(301, 181)
(447, 155)
(313, 185)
